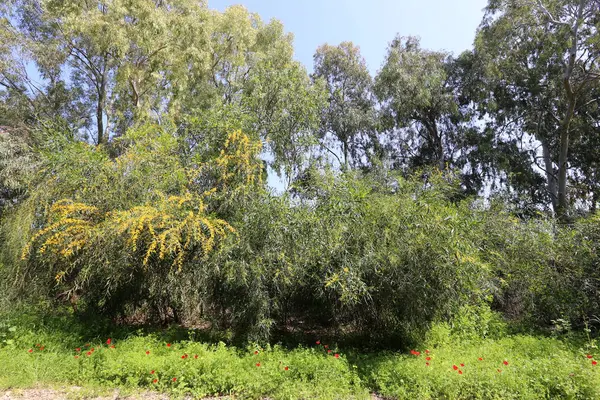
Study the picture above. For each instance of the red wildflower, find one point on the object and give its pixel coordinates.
(455, 367)
(42, 348)
(168, 344)
(462, 365)
(427, 351)
(92, 349)
(37, 345)
(183, 357)
(152, 372)
(428, 358)
(336, 355)
(87, 345)
(147, 352)
(318, 342)
(459, 372)
(108, 341)
(286, 368)
(594, 362)
(326, 346)
(76, 356)
(174, 379)
(196, 356)
(505, 362)
(112, 346)
(89, 353)
(30, 350)
(258, 364)
(427, 364)
(155, 380)
(590, 356)
(480, 359)
(255, 352)
(328, 351)
(78, 349)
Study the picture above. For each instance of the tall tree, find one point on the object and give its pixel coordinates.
(544, 57)
(351, 114)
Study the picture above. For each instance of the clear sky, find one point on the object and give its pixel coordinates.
(442, 24)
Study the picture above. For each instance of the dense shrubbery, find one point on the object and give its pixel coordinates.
(143, 233)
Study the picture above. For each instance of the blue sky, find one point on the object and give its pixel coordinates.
(442, 24)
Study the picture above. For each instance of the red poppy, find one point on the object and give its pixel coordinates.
(428, 358)
(255, 352)
(286, 368)
(92, 349)
(30, 350)
(168, 344)
(427, 364)
(112, 346)
(183, 357)
(459, 372)
(336, 355)
(87, 345)
(155, 380)
(318, 342)
(258, 364)
(89, 353)
(505, 362)
(427, 351)
(174, 379)
(76, 356)
(108, 341)
(328, 351)
(78, 349)
(455, 367)
(590, 356)
(37, 345)
(196, 356)
(147, 352)
(152, 372)
(594, 362)
(326, 346)
(462, 365)
(480, 359)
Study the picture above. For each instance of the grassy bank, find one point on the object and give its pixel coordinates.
(50, 351)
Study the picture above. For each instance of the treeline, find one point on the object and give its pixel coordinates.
(132, 176)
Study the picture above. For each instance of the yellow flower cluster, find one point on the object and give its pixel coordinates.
(239, 157)
(169, 230)
(69, 232)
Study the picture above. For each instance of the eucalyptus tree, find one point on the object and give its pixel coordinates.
(117, 55)
(543, 60)
(350, 115)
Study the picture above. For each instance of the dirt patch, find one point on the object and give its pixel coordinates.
(75, 393)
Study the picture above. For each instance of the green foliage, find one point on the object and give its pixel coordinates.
(537, 368)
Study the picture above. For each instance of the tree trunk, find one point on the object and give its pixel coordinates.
(550, 175)
(100, 113)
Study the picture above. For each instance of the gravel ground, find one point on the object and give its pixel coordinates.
(77, 393)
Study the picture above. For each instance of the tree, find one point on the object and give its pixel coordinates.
(544, 57)
(350, 115)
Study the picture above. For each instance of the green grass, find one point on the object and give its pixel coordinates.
(537, 367)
